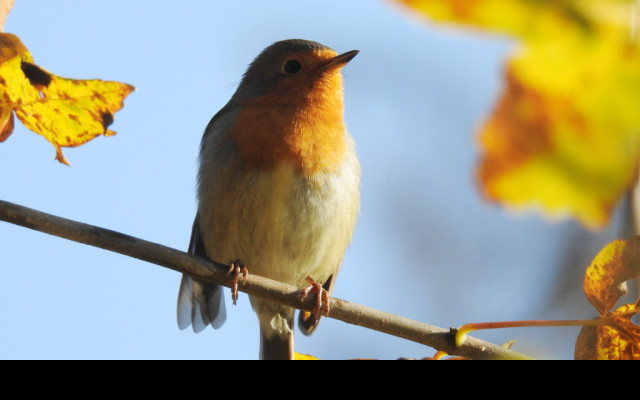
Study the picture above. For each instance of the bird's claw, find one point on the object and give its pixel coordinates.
(236, 269)
(322, 300)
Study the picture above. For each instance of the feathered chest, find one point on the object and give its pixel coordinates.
(306, 129)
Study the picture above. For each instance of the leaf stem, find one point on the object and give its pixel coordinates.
(466, 328)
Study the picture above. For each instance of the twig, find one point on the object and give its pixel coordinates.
(438, 338)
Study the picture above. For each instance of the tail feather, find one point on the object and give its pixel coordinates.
(200, 304)
(277, 347)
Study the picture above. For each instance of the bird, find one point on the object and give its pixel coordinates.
(278, 189)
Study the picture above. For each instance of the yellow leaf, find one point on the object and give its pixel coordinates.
(605, 279)
(525, 19)
(304, 357)
(619, 340)
(66, 112)
(565, 136)
(6, 124)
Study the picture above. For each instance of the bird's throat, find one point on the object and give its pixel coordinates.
(309, 132)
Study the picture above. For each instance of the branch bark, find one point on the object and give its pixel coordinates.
(5, 7)
(352, 313)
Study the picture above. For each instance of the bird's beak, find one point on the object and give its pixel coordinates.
(339, 61)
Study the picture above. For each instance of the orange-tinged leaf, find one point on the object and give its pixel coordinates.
(565, 136)
(66, 112)
(567, 143)
(11, 46)
(618, 340)
(586, 344)
(611, 345)
(605, 279)
(545, 149)
(6, 124)
(11, 49)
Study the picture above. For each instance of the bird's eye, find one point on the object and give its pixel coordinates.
(292, 67)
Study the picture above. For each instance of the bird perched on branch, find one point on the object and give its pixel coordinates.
(278, 188)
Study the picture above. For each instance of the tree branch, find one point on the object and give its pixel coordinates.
(352, 313)
(5, 7)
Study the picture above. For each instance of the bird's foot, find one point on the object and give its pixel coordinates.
(236, 269)
(322, 300)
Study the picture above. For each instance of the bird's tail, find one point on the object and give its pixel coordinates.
(200, 304)
(276, 347)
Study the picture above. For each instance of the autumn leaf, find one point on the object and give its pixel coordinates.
(611, 336)
(11, 46)
(604, 284)
(6, 124)
(606, 277)
(618, 341)
(564, 136)
(304, 357)
(66, 112)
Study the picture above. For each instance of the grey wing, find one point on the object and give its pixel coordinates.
(199, 303)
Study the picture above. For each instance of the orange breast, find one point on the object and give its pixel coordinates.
(302, 125)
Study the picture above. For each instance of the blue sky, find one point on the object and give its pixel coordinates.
(426, 247)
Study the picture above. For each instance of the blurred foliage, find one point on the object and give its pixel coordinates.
(564, 136)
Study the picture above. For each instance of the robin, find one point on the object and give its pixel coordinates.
(278, 188)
